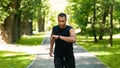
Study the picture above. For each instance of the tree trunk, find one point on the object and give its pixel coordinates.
(111, 25)
(16, 24)
(102, 25)
(40, 24)
(94, 33)
(3, 37)
(19, 25)
(94, 21)
(31, 27)
(8, 24)
(26, 27)
(40, 18)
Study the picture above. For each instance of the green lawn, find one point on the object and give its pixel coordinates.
(10, 59)
(33, 40)
(109, 55)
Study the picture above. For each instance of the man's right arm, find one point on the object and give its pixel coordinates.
(51, 45)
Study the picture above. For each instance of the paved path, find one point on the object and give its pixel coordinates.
(83, 58)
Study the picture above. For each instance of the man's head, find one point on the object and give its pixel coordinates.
(62, 20)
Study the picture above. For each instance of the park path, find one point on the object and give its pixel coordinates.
(83, 59)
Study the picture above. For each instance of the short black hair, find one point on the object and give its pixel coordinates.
(62, 15)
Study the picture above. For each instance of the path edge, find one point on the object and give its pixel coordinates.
(35, 55)
(93, 55)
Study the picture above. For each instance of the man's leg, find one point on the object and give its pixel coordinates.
(58, 62)
(70, 62)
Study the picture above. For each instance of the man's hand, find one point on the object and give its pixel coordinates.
(54, 37)
(50, 53)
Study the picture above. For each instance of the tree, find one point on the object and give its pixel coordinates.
(32, 9)
(103, 20)
(16, 18)
(84, 13)
(116, 12)
(94, 21)
(28, 8)
(80, 12)
(42, 13)
(104, 7)
(111, 22)
(8, 8)
(17, 21)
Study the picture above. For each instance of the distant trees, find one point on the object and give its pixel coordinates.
(17, 17)
(42, 14)
(97, 16)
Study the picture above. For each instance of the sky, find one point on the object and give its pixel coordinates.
(58, 5)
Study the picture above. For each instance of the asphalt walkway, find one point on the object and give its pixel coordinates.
(83, 59)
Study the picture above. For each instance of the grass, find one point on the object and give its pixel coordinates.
(33, 40)
(109, 55)
(10, 59)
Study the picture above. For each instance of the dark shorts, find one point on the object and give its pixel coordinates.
(64, 62)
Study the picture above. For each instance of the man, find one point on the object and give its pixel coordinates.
(64, 37)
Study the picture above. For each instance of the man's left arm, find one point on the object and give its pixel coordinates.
(70, 39)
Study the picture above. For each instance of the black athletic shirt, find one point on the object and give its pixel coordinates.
(62, 48)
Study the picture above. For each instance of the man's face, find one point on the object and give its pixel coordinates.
(61, 21)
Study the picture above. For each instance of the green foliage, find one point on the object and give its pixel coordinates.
(4, 10)
(3, 16)
(108, 55)
(82, 12)
(29, 7)
(117, 10)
